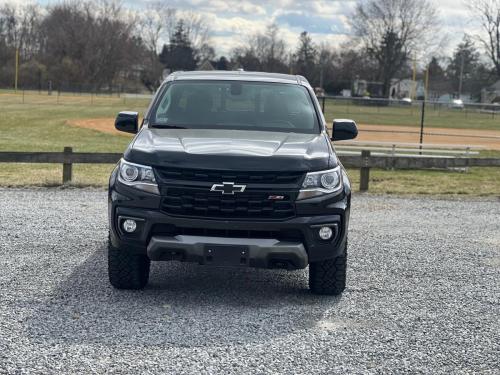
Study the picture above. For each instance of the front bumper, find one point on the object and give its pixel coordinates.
(253, 252)
(166, 237)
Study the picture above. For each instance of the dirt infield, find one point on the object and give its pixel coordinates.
(105, 125)
(488, 139)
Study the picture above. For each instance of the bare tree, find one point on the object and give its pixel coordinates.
(269, 48)
(326, 63)
(31, 20)
(393, 30)
(93, 44)
(19, 28)
(10, 25)
(155, 26)
(488, 14)
(263, 51)
(156, 23)
(197, 29)
(85, 44)
(205, 53)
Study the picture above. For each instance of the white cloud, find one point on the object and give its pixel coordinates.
(237, 25)
(327, 20)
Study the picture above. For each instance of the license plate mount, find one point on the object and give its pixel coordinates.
(226, 255)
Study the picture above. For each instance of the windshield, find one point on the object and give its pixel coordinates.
(236, 105)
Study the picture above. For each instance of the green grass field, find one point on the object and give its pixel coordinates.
(39, 124)
(476, 182)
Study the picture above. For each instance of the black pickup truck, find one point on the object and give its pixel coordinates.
(231, 169)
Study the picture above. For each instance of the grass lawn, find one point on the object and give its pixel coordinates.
(24, 174)
(39, 124)
(475, 182)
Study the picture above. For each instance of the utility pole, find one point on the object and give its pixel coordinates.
(426, 84)
(414, 78)
(461, 74)
(321, 77)
(422, 118)
(17, 69)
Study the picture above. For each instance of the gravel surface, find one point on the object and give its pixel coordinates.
(423, 296)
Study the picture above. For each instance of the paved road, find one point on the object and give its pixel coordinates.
(423, 297)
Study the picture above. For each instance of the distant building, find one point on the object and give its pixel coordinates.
(491, 94)
(165, 74)
(319, 91)
(363, 88)
(205, 65)
(406, 88)
(449, 98)
(346, 93)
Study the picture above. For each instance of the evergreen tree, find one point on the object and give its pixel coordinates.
(438, 82)
(463, 65)
(179, 54)
(222, 64)
(305, 58)
(391, 56)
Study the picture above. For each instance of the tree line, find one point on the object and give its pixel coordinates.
(103, 45)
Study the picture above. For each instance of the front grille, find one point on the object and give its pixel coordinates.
(200, 202)
(214, 176)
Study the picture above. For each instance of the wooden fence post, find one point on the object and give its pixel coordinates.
(364, 172)
(67, 165)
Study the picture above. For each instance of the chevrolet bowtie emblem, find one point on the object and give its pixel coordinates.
(228, 188)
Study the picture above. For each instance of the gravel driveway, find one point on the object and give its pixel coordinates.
(423, 296)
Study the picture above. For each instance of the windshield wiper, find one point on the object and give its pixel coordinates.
(165, 126)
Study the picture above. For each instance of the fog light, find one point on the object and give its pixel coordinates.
(129, 225)
(325, 233)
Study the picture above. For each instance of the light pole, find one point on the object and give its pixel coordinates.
(414, 79)
(17, 69)
(422, 119)
(460, 81)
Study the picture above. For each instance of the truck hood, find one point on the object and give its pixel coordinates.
(230, 149)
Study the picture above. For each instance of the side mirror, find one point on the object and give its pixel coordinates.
(344, 130)
(127, 122)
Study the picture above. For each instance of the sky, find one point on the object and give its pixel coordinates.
(232, 21)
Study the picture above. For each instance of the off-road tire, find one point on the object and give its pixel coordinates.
(127, 271)
(328, 276)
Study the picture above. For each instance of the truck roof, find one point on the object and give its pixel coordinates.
(238, 76)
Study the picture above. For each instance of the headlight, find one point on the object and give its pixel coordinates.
(321, 183)
(139, 176)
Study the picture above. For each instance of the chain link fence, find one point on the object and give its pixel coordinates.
(408, 113)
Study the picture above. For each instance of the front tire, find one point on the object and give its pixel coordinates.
(127, 271)
(328, 277)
